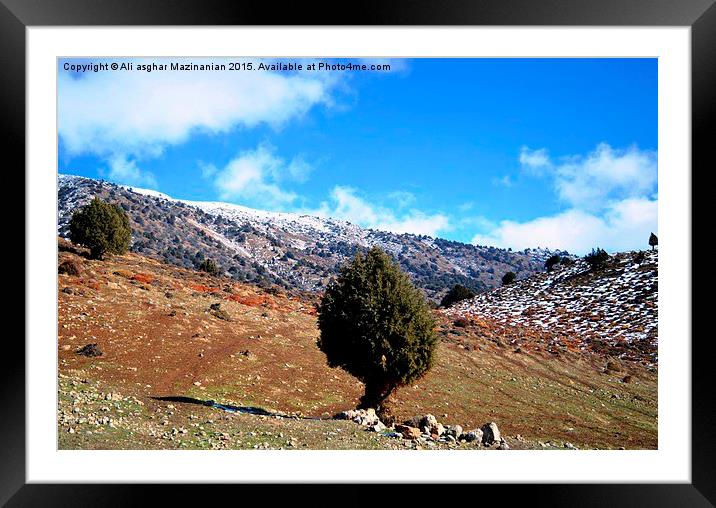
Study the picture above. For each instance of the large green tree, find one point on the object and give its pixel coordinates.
(377, 326)
(102, 228)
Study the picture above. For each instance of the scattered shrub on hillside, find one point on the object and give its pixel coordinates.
(508, 278)
(597, 259)
(102, 228)
(461, 323)
(209, 266)
(653, 241)
(639, 257)
(553, 260)
(377, 326)
(456, 294)
(566, 261)
(70, 267)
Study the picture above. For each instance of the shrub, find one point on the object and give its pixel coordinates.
(376, 325)
(456, 294)
(209, 266)
(102, 228)
(653, 241)
(597, 259)
(508, 278)
(70, 267)
(553, 260)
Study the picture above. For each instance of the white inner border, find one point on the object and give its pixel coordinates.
(671, 462)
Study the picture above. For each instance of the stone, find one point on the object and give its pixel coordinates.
(474, 435)
(454, 431)
(408, 432)
(490, 433)
(503, 445)
(428, 421)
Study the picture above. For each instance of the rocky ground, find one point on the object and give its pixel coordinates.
(613, 309)
(159, 343)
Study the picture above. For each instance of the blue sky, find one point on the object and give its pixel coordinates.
(517, 153)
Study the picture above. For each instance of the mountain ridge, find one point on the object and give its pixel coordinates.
(294, 251)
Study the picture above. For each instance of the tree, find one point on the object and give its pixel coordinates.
(555, 259)
(456, 294)
(597, 259)
(508, 278)
(653, 241)
(102, 228)
(377, 326)
(209, 266)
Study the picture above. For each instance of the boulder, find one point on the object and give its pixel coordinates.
(454, 431)
(490, 433)
(428, 421)
(408, 432)
(473, 435)
(365, 417)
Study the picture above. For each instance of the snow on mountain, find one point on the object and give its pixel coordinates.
(292, 250)
(613, 308)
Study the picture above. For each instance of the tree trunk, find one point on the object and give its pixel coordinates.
(375, 394)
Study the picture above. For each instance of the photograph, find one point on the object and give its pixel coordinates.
(308, 253)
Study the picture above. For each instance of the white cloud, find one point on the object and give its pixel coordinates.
(612, 201)
(624, 225)
(534, 160)
(136, 112)
(504, 181)
(135, 115)
(254, 176)
(347, 205)
(125, 171)
(604, 175)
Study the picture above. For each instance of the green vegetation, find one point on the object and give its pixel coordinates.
(653, 241)
(376, 326)
(508, 278)
(597, 259)
(553, 260)
(209, 266)
(456, 294)
(101, 227)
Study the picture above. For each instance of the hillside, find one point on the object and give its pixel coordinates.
(174, 339)
(612, 310)
(287, 250)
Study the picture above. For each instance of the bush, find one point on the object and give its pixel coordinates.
(70, 267)
(553, 260)
(508, 278)
(456, 294)
(376, 325)
(653, 241)
(597, 259)
(102, 228)
(209, 266)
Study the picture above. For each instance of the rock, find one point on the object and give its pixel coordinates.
(503, 445)
(474, 435)
(438, 430)
(454, 431)
(90, 350)
(490, 433)
(365, 417)
(428, 421)
(570, 446)
(378, 427)
(408, 432)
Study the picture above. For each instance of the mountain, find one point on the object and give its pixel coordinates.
(611, 310)
(289, 250)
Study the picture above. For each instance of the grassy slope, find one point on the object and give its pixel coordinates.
(160, 339)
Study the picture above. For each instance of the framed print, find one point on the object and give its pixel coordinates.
(426, 246)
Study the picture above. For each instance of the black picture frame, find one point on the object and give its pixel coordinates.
(700, 15)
